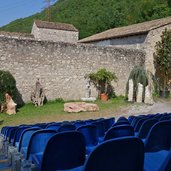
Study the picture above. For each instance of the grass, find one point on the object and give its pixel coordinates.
(53, 111)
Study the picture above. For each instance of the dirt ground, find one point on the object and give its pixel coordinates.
(161, 106)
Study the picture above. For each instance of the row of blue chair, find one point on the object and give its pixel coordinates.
(156, 143)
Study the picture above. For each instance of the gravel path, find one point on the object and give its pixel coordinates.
(158, 107)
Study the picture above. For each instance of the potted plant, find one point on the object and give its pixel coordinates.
(102, 81)
(162, 61)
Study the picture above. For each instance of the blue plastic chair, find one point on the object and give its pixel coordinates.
(121, 154)
(108, 123)
(38, 142)
(79, 123)
(121, 123)
(66, 127)
(63, 151)
(157, 161)
(131, 118)
(53, 126)
(166, 165)
(139, 124)
(12, 134)
(100, 130)
(157, 146)
(122, 118)
(25, 138)
(145, 128)
(17, 135)
(119, 131)
(159, 137)
(8, 132)
(91, 136)
(135, 120)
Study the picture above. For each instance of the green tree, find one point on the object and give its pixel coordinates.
(138, 75)
(162, 59)
(7, 85)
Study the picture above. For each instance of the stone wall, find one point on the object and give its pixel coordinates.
(54, 35)
(61, 67)
(134, 41)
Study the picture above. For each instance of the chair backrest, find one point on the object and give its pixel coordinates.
(64, 151)
(100, 128)
(25, 137)
(38, 142)
(122, 118)
(90, 134)
(135, 120)
(12, 134)
(108, 123)
(53, 126)
(18, 134)
(121, 154)
(131, 118)
(139, 123)
(79, 123)
(8, 132)
(3, 129)
(159, 137)
(145, 127)
(66, 127)
(121, 123)
(119, 131)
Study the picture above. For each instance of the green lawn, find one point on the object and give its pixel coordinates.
(53, 111)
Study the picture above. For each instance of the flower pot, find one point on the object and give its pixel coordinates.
(104, 97)
(164, 93)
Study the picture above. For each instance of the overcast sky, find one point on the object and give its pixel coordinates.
(14, 9)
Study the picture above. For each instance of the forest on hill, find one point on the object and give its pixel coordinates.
(94, 16)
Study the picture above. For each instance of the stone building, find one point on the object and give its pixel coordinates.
(52, 31)
(137, 36)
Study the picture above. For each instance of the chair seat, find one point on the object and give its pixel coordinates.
(36, 158)
(154, 160)
(80, 168)
(24, 151)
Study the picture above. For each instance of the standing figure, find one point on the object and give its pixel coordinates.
(88, 90)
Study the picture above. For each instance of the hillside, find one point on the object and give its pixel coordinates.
(94, 16)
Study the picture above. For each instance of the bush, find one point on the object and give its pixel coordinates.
(102, 81)
(7, 85)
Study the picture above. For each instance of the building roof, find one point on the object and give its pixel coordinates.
(140, 28)
(56, 26)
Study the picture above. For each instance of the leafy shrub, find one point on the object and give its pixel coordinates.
(7, 85)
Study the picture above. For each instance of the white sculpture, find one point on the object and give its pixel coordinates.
(11, 106)
(148, 96)
(140, 93)
(130, 91)
(38, 96)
